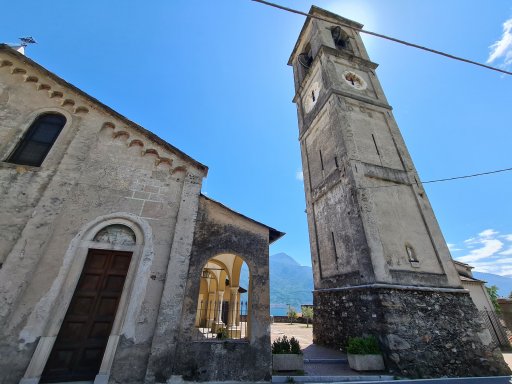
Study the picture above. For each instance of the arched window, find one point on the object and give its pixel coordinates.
(37, 142)
(341, 39)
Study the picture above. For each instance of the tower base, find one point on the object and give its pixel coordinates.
(423, 333)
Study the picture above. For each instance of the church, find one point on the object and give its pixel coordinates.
(116, 269)
(114, 266)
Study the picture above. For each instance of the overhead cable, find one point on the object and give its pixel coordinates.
(384, 37)
(442, 180)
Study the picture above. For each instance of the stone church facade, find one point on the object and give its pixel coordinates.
(105, 240)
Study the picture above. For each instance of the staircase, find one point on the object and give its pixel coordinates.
(324, 365)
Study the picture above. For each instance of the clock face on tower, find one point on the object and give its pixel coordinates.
(311, 96)
(354, 80)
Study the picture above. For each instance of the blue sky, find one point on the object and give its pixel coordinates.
(211, 78)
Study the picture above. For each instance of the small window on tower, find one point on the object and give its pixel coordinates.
(341, 39)
(305, 58)
(411, 254)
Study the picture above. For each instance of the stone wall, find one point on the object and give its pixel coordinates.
(102, 168)
(423, 333)
(219, 231)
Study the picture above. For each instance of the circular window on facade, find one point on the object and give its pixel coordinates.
(354, 80)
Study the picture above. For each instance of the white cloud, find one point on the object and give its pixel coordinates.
(489, 251)
(453, 247)
(488, 248)
(299, 175)
(488, 233)
(506, 252)
(502, 49)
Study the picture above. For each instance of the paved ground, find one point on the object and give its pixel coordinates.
(299, 331)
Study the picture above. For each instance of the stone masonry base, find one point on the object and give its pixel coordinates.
(422, 333)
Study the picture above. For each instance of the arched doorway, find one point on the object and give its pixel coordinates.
(80, 344)
(222, 306)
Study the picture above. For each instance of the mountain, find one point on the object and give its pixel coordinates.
(290, 284)
(503, 283)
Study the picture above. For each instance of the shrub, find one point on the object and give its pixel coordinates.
(222, 334)
(294, 346)
(363, 346)
(284, 345)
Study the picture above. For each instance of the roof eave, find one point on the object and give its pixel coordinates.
(150, 135)
(273, 234)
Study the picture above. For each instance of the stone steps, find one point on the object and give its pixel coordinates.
(326, 361)
(331, 379)
(329, 370)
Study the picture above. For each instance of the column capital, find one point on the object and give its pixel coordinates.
(234, 290)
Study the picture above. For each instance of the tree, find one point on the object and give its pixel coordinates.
(493, 294)
(307, 313)
(292, 314)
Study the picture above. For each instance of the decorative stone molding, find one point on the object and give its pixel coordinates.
(43, 87)
(18, 71)
(69, 102)
(138, 146)
(5, 63)
(52, 94)
(31, 79)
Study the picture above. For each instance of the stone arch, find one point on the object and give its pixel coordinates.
(48, 314)
(122, 135)
(219, 305)
(340, 38)
(31, 79)
(136, 142)
(5, 63)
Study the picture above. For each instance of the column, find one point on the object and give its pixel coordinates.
(218, 324)
(233, 307)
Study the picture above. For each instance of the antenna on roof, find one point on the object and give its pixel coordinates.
(24, 42)
(27, 40)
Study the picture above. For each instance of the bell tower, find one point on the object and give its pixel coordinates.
(381, 265)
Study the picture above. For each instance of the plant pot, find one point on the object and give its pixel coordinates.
(366, 362)
(287, 362)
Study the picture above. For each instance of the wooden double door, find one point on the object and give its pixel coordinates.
(83, 336)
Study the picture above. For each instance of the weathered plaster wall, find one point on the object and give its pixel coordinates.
(220, 231)
(422, 333)
(349, 136)
(370, 221)
(479, 295)
(100, 165)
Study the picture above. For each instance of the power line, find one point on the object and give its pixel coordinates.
(410, 45)
(446, 179)
(385, 37)
(467, 176)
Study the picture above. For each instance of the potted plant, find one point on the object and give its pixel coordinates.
(287, 355)
(364, 354)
